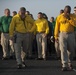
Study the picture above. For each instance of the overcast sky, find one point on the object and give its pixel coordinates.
(50, 7)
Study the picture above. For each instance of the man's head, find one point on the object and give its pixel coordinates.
(67, 9)
(40, 15)
(31, 16)
(45, 16)
(61, 11)
(14, 13)
(75, 9)
(27, 12)
(52, 19)
(7, 12)
(22, 11)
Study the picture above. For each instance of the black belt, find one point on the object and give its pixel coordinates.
(67, 32)
(5, 32)
(21, 32)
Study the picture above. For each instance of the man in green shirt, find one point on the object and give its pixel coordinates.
(4, 28)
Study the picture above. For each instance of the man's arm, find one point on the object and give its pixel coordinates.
(72, 22)
(1, 24)
(33, 28)
(47, 27)
(71, 19)
(57, 28)
(29, 19)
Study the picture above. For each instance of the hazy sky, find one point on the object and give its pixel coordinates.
(50, 7)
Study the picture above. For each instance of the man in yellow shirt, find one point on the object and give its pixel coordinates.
(57, 43)
(75, 30)
(42, 29)
(31, 35)
(65, 25)
(19, 27)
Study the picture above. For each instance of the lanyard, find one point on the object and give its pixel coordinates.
(23, 19)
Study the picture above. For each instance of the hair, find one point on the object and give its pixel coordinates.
(14, 12)
(52, 18)
(7, 9)
(23, 8)
(44, 16)
(40, 13)
(68, 8)
(62, 10)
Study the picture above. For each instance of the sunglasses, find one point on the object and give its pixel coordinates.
(74, 10)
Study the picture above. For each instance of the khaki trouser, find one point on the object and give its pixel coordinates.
(67, 47)
(22, 43)
(30, 42)
(6, 42)
(42, 45)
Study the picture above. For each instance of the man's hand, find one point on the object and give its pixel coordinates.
(11, 38)
(29, 30)
(67, 16)
(44, 35)
(11, 42)
(57, 40)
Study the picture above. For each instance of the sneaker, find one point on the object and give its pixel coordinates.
(5, 58)
(74, 58)
(24, 65)
(70, 67)
(19, 66)
(39, 58)
(64, 68)
(30, 58)
(11, 57)
(44, 59)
